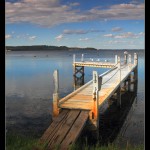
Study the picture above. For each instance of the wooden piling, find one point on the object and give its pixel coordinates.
(119, 96)
(129, 61)
(136, 68)
(135, 59)
(56, 94)
(129, 82)
(125, 57)
(116, 59)
(74, 58)
(94, 113)
(82, 57)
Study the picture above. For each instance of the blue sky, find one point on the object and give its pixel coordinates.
(102, 24)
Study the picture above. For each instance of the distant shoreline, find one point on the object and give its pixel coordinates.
(52, 48)
(44, 47)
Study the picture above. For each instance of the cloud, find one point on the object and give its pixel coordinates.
(59, 37)
(49, 13)
(8, 36)
(108, 35)
(84, 39)
(116, 29)
(74, 31)
(67, 31)
(125, 35)
(32, 38)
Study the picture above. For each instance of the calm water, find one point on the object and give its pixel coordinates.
(29, 89)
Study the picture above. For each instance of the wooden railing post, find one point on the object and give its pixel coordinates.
(56, 94)
(82, 57)
(135, 59)
(136, 68)
(125, 57)
(94, 113)
(116, 59)
(129, 60)
(119, 88)
(135, 72)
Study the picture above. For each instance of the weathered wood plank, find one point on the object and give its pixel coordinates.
(55, 124)
(80, 106)
(75, 130)
(64, 129)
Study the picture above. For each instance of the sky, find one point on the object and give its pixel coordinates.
(101, 24)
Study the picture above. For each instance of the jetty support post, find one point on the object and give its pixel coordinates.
(94, 113)
(116, 59)
(135, 72)
(82, 57)
(136, 68)
(125, 57)
(78, 74)
(130, 75)
(129, 60)
(119, 88)
(56, 94)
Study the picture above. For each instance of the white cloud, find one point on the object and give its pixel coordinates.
(51, 12)
(59, 37)
(84, 39)
(67, 31)
(8, 36)
(32, 38)
(125, 35)
(108, 35)
(128, 35)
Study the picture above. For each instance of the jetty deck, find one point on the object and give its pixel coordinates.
(81, 107)
(82, 98)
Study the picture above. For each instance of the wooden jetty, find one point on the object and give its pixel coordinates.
(81, 107)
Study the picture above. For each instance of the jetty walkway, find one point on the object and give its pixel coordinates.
(81, 107)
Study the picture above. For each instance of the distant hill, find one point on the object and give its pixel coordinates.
(43, 47)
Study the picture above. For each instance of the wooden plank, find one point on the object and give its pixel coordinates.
(77, 100)
(75, 130)
(55, 124)
(80, 106)
(64, 129)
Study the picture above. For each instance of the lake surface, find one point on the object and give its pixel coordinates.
(29, 87)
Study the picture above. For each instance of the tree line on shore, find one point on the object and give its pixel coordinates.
(43, 47)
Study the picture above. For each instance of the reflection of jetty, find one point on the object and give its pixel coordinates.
(81, 107)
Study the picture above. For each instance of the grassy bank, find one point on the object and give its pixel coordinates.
(19, 142)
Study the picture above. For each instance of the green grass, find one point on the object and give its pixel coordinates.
(109, 147)
(19, 142)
